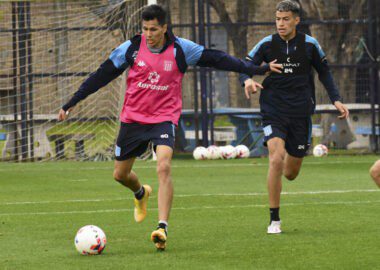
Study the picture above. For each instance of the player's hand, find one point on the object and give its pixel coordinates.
(275, 67)
(250, 87)
(62, 115)
(342, 109)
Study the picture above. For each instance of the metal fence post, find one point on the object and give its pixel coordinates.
(203, 78)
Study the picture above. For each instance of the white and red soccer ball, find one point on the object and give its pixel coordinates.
(200, 153)
(320, 150)
(242, 151)
(213, 152)
(228, 152)
(90, 240)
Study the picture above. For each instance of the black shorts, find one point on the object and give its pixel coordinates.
(134, 138)
(296, 132)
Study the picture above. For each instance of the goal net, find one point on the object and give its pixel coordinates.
(47, 49)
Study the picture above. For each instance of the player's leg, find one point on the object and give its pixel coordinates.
(297, 145)
(165, 194)
(275, 131)
(276, 148)
(163, 138)
(292, 166)
(130, 144)
(123, 174)
(375, 172)
(165, 191)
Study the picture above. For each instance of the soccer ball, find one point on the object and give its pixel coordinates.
(200, 152)
(213, 152)
(90, 240)
(320, 150)
(228, 152)
(242, 151)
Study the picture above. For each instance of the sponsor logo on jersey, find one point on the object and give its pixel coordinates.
(154, 77)
(153, 86)
(288, 67)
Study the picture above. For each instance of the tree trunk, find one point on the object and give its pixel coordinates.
(237, 34)
(338, 41)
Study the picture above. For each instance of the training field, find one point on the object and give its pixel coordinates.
(330, 215)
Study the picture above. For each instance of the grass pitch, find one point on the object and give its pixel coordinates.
(330, 216)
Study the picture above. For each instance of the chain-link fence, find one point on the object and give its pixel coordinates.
(49, 47)
(348, 32)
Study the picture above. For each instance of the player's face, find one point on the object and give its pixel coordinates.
(154, 33)
(286, 23)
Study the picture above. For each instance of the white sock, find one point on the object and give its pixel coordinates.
(164, 222)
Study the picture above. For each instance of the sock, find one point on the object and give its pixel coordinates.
(274, 214)
(140, 193)
(162, 224)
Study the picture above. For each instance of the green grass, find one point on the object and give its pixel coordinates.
(218, 220)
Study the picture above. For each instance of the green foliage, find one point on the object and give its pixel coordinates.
(222, 121)
(105, 133)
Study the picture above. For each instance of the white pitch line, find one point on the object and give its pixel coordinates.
(204, 195)
(64, 201)
(197, 165)
(283, 193)
(187, 208)
(79, 180)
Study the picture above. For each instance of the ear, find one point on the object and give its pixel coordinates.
(165, 28)
(298, 19)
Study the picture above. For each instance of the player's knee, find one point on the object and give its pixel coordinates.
(375, 170)
(290, 175)
(375, 174)
(276, 161)
(163, 167)
(118, 175)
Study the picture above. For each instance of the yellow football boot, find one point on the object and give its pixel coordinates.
(141, 205)
(159, 237)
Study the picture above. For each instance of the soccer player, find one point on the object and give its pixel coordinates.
(152, 106)
(287, 100)
(375, 172)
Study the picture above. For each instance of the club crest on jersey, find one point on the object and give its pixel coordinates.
(168, 65)
(154, 77)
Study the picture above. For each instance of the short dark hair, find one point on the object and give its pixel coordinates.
(152, 12)
(289, 5)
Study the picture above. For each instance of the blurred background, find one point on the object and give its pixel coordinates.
(48, 48)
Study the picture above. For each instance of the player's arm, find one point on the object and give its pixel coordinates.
(196, 54)
(320, 64)
(107, 72)
(223, 61)
(256, 56)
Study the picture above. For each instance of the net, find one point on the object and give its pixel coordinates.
(47, 49)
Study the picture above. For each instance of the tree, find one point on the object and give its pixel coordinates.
(339, 40)
(237, 34)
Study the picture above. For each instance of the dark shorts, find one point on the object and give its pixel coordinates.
(296, 132)
(134, 138)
